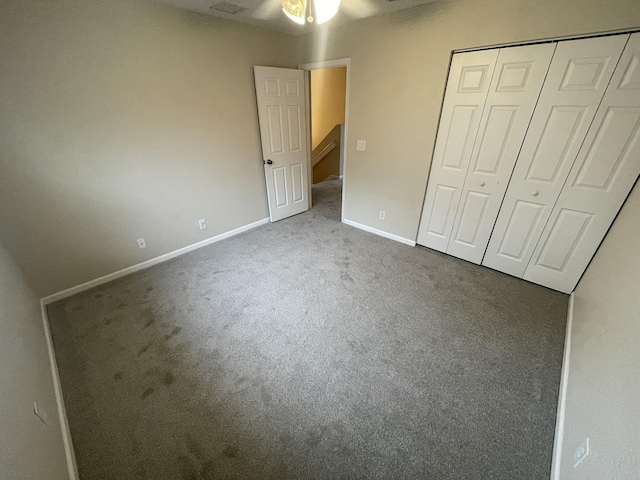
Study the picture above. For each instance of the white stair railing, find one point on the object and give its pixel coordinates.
(323, 153)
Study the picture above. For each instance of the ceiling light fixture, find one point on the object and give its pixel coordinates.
(318, 11)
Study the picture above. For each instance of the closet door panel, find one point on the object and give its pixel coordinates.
(516, 85)
(578, 77)
(605, 170)
(465, 96)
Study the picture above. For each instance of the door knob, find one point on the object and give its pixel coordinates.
(268, 162)
(482, 184)
(534, 193)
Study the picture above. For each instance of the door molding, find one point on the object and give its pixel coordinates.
(339, 62)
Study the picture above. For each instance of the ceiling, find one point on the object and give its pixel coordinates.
(268, 13)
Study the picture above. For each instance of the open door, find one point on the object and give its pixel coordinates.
(283, 133)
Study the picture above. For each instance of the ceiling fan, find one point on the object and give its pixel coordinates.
(318, 11)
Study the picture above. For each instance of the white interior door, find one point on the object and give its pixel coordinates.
(283, 133)
(469, 79)
(605, 170)
(578, 77)
(516, 85)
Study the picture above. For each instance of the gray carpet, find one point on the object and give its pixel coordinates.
(308, 349)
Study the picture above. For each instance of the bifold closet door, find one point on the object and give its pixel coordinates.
(575, 85)
(604, 173)
(514, 91)
(466, 92)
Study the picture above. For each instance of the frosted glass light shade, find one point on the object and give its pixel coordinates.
(326, 9)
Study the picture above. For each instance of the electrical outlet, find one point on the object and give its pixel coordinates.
(41, 414)
(581, 453)
(361, 145)
(141, 243)
(202, 223)
(383, 215)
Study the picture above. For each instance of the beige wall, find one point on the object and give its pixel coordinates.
(28, 448)
(603, 390)
(399, 66)
(328, 88)
(121, 120)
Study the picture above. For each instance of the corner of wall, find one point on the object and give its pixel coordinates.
(562, 395)
(72, 465)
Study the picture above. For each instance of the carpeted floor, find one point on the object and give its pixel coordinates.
(308, 349)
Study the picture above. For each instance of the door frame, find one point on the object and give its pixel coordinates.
(339, 62)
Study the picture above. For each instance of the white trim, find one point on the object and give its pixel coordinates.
(563, 38)
(562, 397)
(323, 153)
(72, 466)
(381, 233)
(62, 413)
(339, 62)
(307, 104)
(148, 263)
(342, 148)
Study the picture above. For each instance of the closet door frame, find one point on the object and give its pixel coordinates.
(448, 227)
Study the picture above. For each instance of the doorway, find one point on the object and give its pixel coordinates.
(328, 102)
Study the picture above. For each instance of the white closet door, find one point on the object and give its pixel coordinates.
(516, 85)
(576, 82)
(606, 169)
(469, 79)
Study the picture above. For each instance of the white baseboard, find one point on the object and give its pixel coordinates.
(381, 233)
(72, 466)
(148, 263)
(62, 414)
(562, 397)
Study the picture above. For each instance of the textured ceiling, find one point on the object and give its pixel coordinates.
(268, 13)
